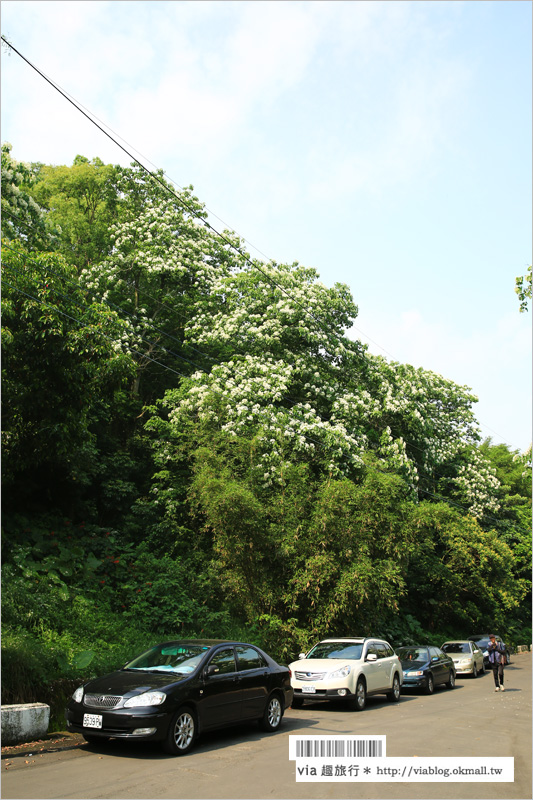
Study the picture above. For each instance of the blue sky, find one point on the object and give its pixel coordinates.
(386, 144)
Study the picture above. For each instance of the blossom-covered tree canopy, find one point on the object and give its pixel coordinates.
(218, 411)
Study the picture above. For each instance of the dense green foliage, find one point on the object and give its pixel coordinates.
(523, 289)
(193, 446)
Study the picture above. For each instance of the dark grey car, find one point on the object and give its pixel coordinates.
(425, 667)
(178, 689)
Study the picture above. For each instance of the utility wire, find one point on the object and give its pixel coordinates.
(155, 177)
(90, 115)
(108, 302)
(111, 305)
(101, 333)
(182, 202)
(435, 476)
(290, 400)
(319, 444)
(81, 306)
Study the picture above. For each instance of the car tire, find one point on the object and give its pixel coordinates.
(95, 739)
(430, 684)
(394, 695)
(474, 671)
(271, 719)
(181, 733)
(297, 702)
(359, 701)
(450, 683)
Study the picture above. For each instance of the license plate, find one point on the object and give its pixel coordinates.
(92, 720)
(308, 689)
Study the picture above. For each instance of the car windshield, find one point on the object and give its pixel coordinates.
(483, 643)
(412, 654)
(171, 657)
(336, 650)
(456, 647)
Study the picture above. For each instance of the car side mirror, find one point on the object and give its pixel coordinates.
(302, 655)
(434, 658)
(371, 657)
(212, 669)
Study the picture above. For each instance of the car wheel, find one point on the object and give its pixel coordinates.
(394, 695)
(297, 702)
(450, 684)
(272, 717)
(95, 739)
(359, 701)
(181, 733)
(430, 684)
(474, 671)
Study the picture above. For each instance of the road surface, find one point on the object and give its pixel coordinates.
(243, 762)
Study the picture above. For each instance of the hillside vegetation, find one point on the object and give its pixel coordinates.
(194, 446)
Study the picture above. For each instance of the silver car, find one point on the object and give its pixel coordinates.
(466, 656)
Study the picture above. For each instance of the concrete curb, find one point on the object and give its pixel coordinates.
(24, 721)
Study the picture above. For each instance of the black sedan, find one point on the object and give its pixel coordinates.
(178, 689)
(424, 667)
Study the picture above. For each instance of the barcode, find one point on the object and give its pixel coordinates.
(328, 748)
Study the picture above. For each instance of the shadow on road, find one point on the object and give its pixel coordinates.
(207, 742)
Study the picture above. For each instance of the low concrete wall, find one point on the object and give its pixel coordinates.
(24, 723)
(523, 648)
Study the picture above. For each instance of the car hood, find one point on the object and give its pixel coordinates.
(134, 682)
(320, 664)
(459, 656)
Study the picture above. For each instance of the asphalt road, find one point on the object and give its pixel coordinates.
(471, 720)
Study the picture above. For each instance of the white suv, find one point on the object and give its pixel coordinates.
(347, 669)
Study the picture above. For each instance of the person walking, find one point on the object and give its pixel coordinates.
(497, 661)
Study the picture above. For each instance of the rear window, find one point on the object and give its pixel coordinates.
(413, 653)
(456, 647)
(249, 658)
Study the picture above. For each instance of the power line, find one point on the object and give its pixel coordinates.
(287, 399)
(90, 115)
(101, 333)
(111, 305)
(189, 208)
(292, 401)
(319, 444)
(155, 177)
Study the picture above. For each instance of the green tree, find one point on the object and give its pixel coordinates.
(22, 218)
(82, 202)
(63, 369)
(161, 261)
(460, 577)
(523, 289)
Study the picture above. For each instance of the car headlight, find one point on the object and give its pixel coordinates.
(414, 672)
(341, 673)
(78, 695)
(146, 699)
